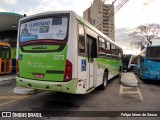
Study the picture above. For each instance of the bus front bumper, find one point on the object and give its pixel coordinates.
(67, 87)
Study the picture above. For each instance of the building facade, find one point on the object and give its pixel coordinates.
(102, 17)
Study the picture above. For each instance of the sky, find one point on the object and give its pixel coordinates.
(131, 15)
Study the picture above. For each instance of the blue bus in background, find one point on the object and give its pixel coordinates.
(148, 63)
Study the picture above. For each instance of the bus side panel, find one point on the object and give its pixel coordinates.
(72, 45)
(82, 75)
(100, 71)
(116, 66)
(111, 64)
(150, 70)
(72, 56)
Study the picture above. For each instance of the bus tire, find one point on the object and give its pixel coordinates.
(105, 81)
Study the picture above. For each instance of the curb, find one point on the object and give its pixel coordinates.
(129, 79)
(7, 78)
(130, 84)
(24, 91)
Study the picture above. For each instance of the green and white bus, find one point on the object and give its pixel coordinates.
(60, 51)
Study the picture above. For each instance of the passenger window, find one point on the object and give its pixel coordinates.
(108, 45)
(117, 52)
(108, 51)
(120, 53)
(101, 46)
(81, 39)
(8, 53)
(3, 54)
(112, 49)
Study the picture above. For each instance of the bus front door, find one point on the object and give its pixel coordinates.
(92, 54)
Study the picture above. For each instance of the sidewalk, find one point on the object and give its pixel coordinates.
(7, 77)
(129, 79)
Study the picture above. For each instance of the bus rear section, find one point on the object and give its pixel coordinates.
(42, 61)
(150, 65)
(5, 58)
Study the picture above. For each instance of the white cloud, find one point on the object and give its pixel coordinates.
(81, 5)
(131, 15)
(137, 12)
(9, 1)
(49, 5)
(37, 9)
(2, 10)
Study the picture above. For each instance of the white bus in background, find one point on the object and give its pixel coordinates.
(132, 63)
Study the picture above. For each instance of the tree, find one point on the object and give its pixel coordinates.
(144, 34)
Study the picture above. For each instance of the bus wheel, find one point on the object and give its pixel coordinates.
(105, 81)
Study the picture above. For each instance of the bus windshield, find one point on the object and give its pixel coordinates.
(153, 52)
(46, 28)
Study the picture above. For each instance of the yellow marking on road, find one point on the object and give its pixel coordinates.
(12, 99)
(130, 90)
(121, 90)
(8, 102)
(140, 95)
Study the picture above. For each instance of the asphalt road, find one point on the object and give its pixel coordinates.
(115, 97)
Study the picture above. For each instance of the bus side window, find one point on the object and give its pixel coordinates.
(101, 47)
(81, 39)
(3, 53)
(113, 50)
(108, 50)
(120, 53)
(8, 53)
(108, 46)
(0, 51)
(116, 52)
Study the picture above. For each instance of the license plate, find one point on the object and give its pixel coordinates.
(38, 75)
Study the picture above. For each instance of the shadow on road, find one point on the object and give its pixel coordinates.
(153, 82)
(56, 101)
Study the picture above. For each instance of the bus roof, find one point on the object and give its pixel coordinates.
(142, 51)
(154, 46)
(79, 18)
